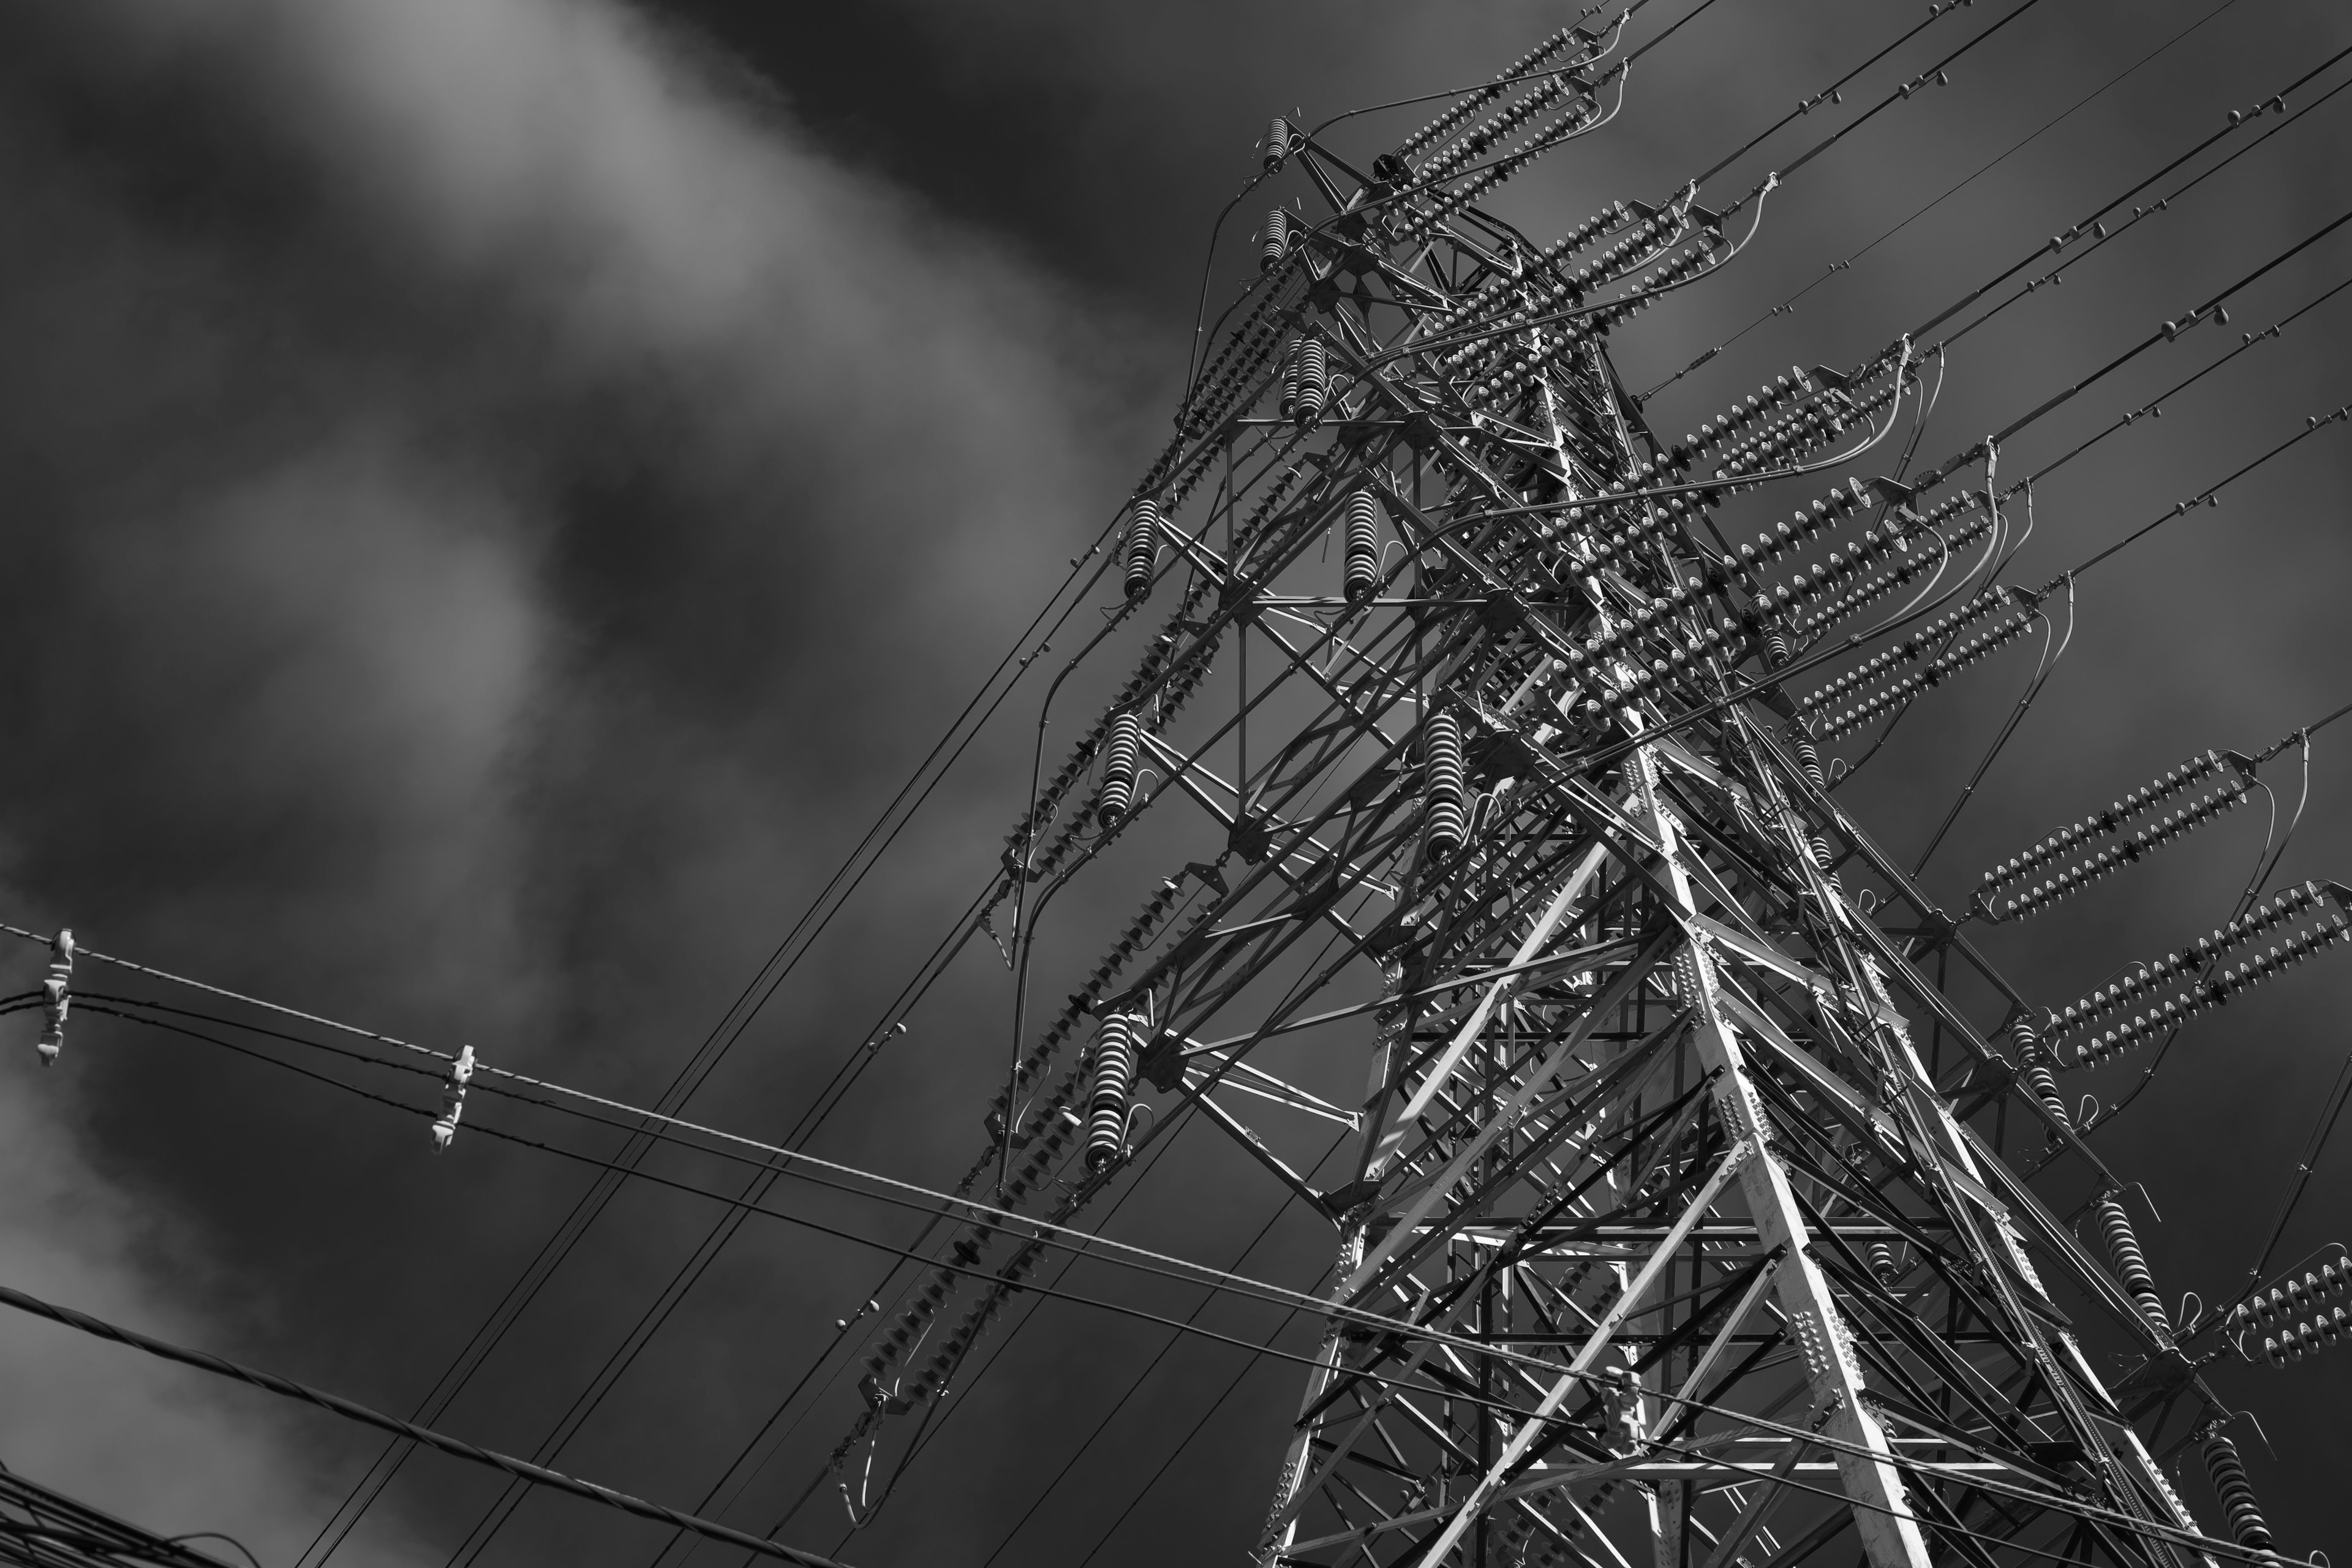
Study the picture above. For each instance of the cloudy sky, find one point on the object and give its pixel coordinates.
(499, 491)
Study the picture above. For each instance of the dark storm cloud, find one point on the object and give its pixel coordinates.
(481, 469)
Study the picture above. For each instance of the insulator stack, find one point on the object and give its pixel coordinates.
(2214, 993)
(1814, 426)
(1090, 746)
(1232, 374)
(2286, 907)
(1519, 366)
(914, 1321)
(1924, 558)
(1691, 260)
(1499, 370)
(1678, 596)
(1888, 659)
(2247, 1526)
(56, 998)
(1277, 143)
(1445, 124)
(1538, 96)
(1809, 758)
(1044, 1120)
(1278, 240)
(2295, 1316)
(1934, 673)
(1776, 394)
(1585, 233)
(2043, 1083)
(1809, 522)
(1444, 203)
(2307, 1336)
(1289, 404)
(1627, 250)
(1504, 290)
(453, 1099)
(1312, 384)
(1882, 1267)
(2230, 793)
(944, 1361)
(1122, 752)
(2131, 1263)
(1142, 551)
(2115, 857)
(2172, 781)
(1806, 524)
(1361, 556)
(1046, 1132)
(1445, 794)
(1178, 689)
(1823, 858)
(1113, 1082)
(1827, 418)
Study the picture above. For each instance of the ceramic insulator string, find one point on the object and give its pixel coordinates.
(2300, 1315)
(2131, 1263)
(1773, 396)
(1445, 124)
(1810, 759)
(1121, 753)
(1933, 674)
(1312, 384)
(1113, 1078)
(1922, 556)
(1908, 651)
(1278, 240)
(1142, 551)
(2172, 827)
(1445, 798)
(2330, 925)
(2247, 1526)
(2229, 794)
(2172, 781)
(1360, 550)
(2307, 1336)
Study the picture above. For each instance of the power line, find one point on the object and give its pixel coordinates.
(1119, 1254)
(944, 1203)
(1837, 268)
(1086, 1443)
(1553, 777)
(408, 1431)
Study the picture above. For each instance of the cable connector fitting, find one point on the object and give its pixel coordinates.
(453, 1099)
(55, 996)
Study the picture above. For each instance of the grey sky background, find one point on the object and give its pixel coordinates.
(500, 491)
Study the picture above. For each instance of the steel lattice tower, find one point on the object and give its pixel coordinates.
(1679, 1218)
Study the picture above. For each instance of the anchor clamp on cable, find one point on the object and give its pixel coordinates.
(55, 996)
(453, 1099)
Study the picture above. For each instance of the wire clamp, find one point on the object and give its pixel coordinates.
(55, 996)
(453, 1099)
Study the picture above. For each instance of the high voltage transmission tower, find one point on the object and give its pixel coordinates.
(1675, 1215)
(1697, 1194)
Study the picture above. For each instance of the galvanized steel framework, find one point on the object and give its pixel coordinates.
(1688, 1125)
